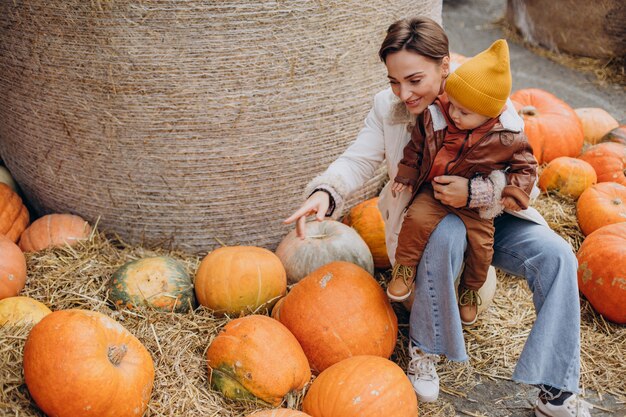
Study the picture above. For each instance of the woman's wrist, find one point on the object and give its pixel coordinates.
(331, 200)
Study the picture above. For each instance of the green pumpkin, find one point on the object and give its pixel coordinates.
(159, 282)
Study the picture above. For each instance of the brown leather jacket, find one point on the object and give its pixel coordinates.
(499, 149)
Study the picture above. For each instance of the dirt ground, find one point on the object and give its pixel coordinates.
(472, 26)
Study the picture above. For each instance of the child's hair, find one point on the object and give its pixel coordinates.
(418, 34)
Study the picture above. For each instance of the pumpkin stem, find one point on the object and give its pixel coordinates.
(617, 201)
(322, 236)
(117, 353)
(528, 111)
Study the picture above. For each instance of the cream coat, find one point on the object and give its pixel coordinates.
(382, 139)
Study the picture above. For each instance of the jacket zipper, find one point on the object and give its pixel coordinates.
(458, 154)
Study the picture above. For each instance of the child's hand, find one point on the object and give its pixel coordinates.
(510, 203)
(398, 187)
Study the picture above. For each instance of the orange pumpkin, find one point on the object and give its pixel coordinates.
(13, 213)
(256, 357)
(609, 161)
(601, 204)
(552, 126)
(54, 230)
(567, 176)
(326, 241)
(279, 412)
(17, 311)
(12, 268)
(596, 122)
(601, 266)
(239, 279)
(338, 311)
(361, 386)
(367, 220)
(617, 135)
(79, 362)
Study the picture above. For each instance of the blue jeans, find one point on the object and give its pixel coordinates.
(551, 355)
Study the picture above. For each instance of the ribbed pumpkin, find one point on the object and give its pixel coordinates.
(609, 161)
(79, 362)
(596, 122)
(279, 412)
(552, 126)
(601, 204)
(617, 135)
(17, 311)
(367, 220)
(338, 311)
(239, 279)
(257, 358)
(159, 282)
(54, 230)
(12, 268)
(567, 176)
(326, 241)
(13, 213)
(361, 386)
(601, 271)
(7, 178)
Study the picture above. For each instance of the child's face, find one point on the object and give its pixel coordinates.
(463, 118)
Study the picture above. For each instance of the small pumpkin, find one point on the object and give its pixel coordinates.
(596, 123)
(361, 386)
(552, 126)
(601, 266)
(79, 361)
(617, 135)
(257, 358)
(7, 178)
(160, 282)
(13, 213)
(367, 220)
(608, 160)
(567, 176)
(326, 241)
(240, 279)
(338, 311)
(601, 204)
(54, 230)
(12, 268)
(18, 311)
(279, 412)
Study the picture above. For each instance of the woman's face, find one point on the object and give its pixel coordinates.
(415, 79)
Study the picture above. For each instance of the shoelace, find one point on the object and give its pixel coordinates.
(405, 273)
(422, 365)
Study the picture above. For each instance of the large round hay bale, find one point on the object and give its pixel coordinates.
(186, 122)
(594, 29)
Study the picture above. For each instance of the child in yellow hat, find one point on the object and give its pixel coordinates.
(462, 134)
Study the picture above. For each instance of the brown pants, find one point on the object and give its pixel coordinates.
(424, 214)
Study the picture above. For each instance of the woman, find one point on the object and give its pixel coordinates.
(415, 52)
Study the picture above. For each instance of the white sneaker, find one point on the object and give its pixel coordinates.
(572, 407)
(423, 375)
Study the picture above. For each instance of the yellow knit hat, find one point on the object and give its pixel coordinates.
(483, 83)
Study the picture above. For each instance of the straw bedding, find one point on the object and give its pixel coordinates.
(77, 278)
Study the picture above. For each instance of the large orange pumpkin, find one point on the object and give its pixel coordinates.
(79, 362)
(601, 271)
(617, 135)
(367, 220)
(240, 279)
(17, 311)
(596, 123)
(361, 386)
(601, 204)
(338, 311)
(609, 161)
(13, 213)
(326, 241)
(256, 357)
(54, 230)
(552, 126)
(567, 176)
(12, 268)
(279, 412)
